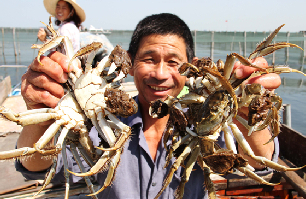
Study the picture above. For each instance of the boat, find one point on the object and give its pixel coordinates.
(92, 29)
(16, 90)
(288, 184)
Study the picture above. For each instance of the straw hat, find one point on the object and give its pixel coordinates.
(50, 6)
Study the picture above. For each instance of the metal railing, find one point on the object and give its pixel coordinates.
(16, 44)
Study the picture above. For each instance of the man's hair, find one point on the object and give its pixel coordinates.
(162, 24)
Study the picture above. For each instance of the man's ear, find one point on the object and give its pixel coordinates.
(194, 60)
(131, 71)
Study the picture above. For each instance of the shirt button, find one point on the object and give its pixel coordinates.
(154, 184)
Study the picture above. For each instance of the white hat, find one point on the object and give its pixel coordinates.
(50, 6)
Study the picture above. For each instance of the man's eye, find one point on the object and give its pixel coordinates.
(149, 60)
(173, 63)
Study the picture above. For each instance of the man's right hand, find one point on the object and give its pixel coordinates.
(41, 87)
(41, 84)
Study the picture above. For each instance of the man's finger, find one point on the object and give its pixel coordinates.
(50, 68)
(42, 81)
(242, 71)
(269, 81)
(36, 97)
(62, 60)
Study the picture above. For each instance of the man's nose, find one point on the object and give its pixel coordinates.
(161, 71)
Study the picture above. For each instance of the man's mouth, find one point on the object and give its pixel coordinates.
(158, 88)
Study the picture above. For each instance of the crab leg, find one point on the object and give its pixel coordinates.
(47, 46)
(29, 117)
(100, 165)
(185, 139)
(265, 43)
(51, 173)
(271, 48)
(107, 131)
(171, 149)
(48, 135)
(84, 153)
(207, 180)
(25, 151)
(111, 172)
(50, 27)
(79, 162)
(245, 124)
(176, 165)
(167, 135)
(91, 48)
(284, 69)
(254, 176)
(229, 65)
(265, 48)
(274, 124)
(63, 135)
(246, 62)
(248, 151)
(229, 141)
(86, 142)
(66, 173)
(179, 192)
(125, 132)
(269, 39)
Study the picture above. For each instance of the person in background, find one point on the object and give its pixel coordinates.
(69, 16)
(160, 43)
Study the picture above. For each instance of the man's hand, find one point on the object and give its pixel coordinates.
(41, 87)
(269, 81)
(257, 140)
(41, 84)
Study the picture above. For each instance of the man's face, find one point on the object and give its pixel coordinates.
(155, 68)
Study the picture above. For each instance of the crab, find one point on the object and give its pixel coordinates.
(212, 103)
(94, 98)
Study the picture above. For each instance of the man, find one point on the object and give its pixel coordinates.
(159, 44)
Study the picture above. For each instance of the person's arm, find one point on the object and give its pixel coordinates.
(258, 139)
(42, 35)
(40, 88)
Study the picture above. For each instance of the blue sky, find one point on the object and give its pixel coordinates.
(213, 15)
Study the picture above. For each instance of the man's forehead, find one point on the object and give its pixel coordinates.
(162, 36)
(171, 53)
(153, 44)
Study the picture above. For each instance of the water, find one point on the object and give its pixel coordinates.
(292, 90)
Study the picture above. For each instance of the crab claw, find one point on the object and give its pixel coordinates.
(186, 69)
(268, 40)
(160, 108)
(284, 69)
(265, 48)
(271, 48)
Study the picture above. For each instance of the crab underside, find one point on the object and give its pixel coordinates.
(94, 98)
